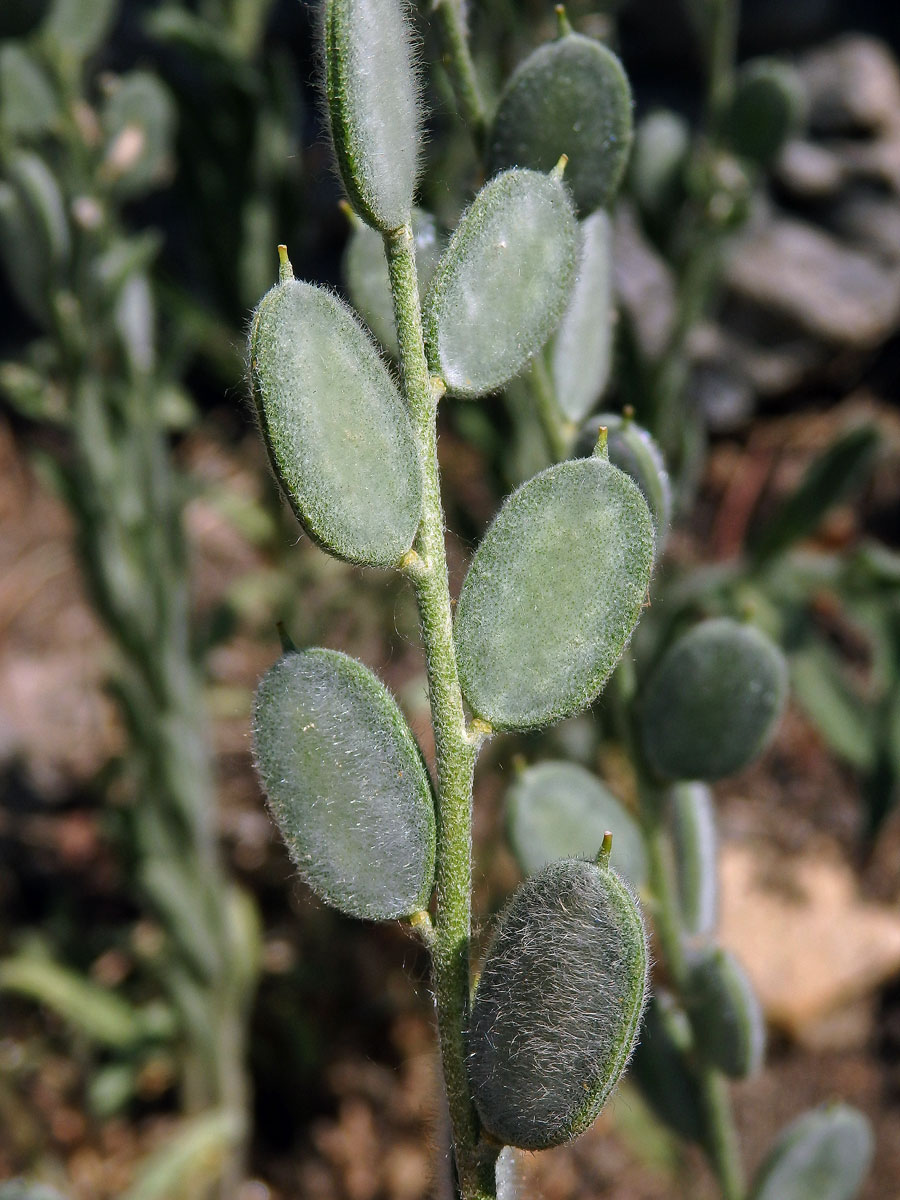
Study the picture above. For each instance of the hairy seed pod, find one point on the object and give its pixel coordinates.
(632, 449)
(373, 106)
(366, 273)
(729, 1028)
(712, 703)
(824, 1154)
(581, 349)
(768, 108)
(560, 810)
(346, 783)
(558, 1005)
(337, 430)
(692, 825)
(503, 283)
(661, 1071)
(568, 97)
(553, 594)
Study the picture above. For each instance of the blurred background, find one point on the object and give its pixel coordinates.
(179, 1016)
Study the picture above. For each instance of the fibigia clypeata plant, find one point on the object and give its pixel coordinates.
(532, 1048)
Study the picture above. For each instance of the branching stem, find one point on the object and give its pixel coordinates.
(457, 58)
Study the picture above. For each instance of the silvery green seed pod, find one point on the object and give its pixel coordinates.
(560, 810)
(581, 348)
(768, 108)
(568, 97)
(558, 1005)
(729, 1028)
(29, 106)
(662, 142)
(366, 273)
(822, 1155)
(40, 194)
(503, 282)
(346, 783)
(373, 106)
(632, 449)
(692, 825)
(661, 1071)
(712, 703)
(553, 594)
(337, 430)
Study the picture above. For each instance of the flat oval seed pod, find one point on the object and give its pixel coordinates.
(503, 283)
(559, 810)
(692, 823)
(346, 783)
(366, 273)
(729, 1028)
(581, 350)
(569, 97)
(768, 108)
(656, 169)
(337, 430)
(553, 594)
(373, 106)
(632, 449)
(661, 1071)
(822, 1155)
(558, 1005)
(712, 703)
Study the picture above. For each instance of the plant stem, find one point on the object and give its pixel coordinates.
(455, 748)
(558, 437)
(457, 59)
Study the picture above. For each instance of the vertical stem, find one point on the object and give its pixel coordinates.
(456, 749)
(450, 18)
(557, 432)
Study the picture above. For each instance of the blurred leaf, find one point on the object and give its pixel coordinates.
(28, 103)
(831, 478)
(139, 121)
(76, 28)
(97, 1012)
(191, 1160)
(832, 705)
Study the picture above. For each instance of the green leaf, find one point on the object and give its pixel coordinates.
(632, 449)
(729, 1028)
(29, 106)
(366, 273)
(191, 1159)
(712, 703)
(768, 107)
(581, 349)
(503, 283)
(660, 1068)
(558, 1005)
(77, 28)
(553, 594)
(692, 825)
(139, 122)
(337, 430)
(346, 783)
(832, 478)
(373, 106)
(560, 810)
(568, 97)
(843, 719)
(824, 1154)
(97, 1012)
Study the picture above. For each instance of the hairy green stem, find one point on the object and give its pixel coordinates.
(556, 433)
(457, 58)
(456, 749)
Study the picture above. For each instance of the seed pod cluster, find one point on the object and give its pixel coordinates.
(346, 783)
(558, 1005)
